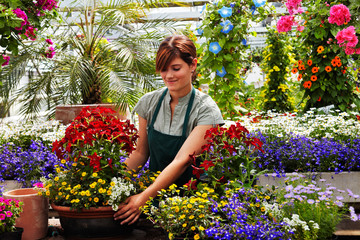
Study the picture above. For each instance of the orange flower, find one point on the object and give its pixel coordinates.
(301, 67)
(319, 99)
(294, 70)
(333, 62)
(315, 69)
(313, 78)
(299, 77)
(300, 62)
(309, 62)
(328, 69)
(337, 58)
(307, 84)
(320, 49)
(338, 64)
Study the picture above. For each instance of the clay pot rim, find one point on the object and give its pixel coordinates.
(93, 212)
(91, 209)
(26, 194)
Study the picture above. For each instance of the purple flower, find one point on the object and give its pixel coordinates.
(21, 14)
(49, 41)
(7, 59)
(310, 201)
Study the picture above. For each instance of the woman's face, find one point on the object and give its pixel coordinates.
(177, 77)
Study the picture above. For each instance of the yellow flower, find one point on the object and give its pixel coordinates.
(276, 68)
(273, 99)
(191, 217)
(204, 195)
(63, 183)
(99, 180)
(189, 206)
(193, 228)
(74, 164)
(63, 161)
(184, 225)
(170, 236)
(196, 237)
(83, 174)
(112, 184)
(201, 228)
(263, 209)
(94, 174)
(56, 179)
(47, 193)
(96, 199)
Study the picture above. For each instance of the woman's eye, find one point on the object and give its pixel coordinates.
(176, 69)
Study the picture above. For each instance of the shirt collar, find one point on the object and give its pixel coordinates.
(183, 100)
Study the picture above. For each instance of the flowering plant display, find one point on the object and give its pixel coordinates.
(224, 29)
(92, 172)
(327, 39)
(10, 210)
(26, 165)
(310, 208)
(183, 216)
(228, 156)
(20, 20)
(276, 64)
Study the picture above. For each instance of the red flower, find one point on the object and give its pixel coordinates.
(191, 184)
(95, 162)
(197, 171)
(206, 164)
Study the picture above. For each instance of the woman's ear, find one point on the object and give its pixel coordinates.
(194, 64)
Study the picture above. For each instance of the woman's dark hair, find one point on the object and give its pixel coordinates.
(173, 47)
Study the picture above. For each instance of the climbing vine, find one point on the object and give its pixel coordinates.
(225, 29)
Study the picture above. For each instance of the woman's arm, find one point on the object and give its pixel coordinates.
(141, 154)
(130, 209)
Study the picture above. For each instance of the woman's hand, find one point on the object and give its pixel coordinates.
(130, 209)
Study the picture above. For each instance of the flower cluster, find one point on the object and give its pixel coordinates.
(245, 217)
(93, 151)
(26, 165)
(21, 133)
(22, 19)
(10, 210)
(121, 189)
(183, 216)
(227, 155)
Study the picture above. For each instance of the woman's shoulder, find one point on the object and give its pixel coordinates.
(204, 99)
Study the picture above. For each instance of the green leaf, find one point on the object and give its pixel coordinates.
(228, 57)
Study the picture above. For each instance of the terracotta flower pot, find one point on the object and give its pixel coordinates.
(90, 223)
(34, 218)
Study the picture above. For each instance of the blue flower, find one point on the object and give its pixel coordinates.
(259, 3)
(200, 31)
(225, 12)
(222, 72)
(203, 8)
(227, 26)
(232, 4)
(244, 42)
(253, 9)
(214, 47)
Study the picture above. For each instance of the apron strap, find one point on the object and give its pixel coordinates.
(158, 108)
(188, 110)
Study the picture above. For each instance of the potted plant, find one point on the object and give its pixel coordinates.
(92, 178)
(10, 210)
(100, 57)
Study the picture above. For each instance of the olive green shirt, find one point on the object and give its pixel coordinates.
(204, 112)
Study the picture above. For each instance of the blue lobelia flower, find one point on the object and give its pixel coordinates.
(222, 72)
(232, 4)
(253, 9)
(227, 26)
(225, 12)
(200, 31)
(244, 42)
(214, 47)
(259, 3)
(203, 8)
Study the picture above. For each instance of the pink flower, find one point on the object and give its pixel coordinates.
(357, 51)
(30, 33)
(2, 216)
(46, 4)
(9, 213)
(285, 23)
(339, 14)
(293, 6)
(300, 28)
(7, 59)
(49, 53)
(21, 14)
(347, 37)
(49, 41)
(349, 50)
(38, 185)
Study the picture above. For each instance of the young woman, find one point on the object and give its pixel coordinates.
(172, 124)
